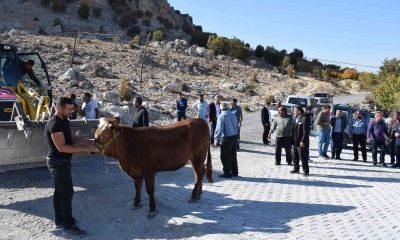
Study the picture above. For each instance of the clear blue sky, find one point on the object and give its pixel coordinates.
(355, 31)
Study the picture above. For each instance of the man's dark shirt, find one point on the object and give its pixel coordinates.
(24, 70)
(140, 117)
(74, 112)
(213, 112)
(54, 125)
(265, 116)
(181, 105)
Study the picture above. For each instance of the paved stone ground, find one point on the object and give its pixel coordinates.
(339, 200)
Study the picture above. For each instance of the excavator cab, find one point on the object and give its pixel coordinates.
(25, 107)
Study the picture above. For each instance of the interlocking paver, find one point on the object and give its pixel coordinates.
(341, 199)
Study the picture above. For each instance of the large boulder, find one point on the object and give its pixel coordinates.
(104, 72)
(111, 96)
(86, 85)
(242, 87)
(72, 74)
(228, 85)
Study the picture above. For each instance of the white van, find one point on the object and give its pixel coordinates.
(303, 101)
(323, 98)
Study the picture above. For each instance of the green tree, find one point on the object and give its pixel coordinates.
(200, 38)
(133, 31)
(368, 80)
(84, 11)
(259, 52)
(220, 45)
(286, 61)
(295, 56)
(239, 50)
(390, 67)
(387, 93)
(272, 56)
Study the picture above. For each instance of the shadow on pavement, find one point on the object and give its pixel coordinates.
(102, 203)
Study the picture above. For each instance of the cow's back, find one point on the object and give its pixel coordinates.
(164, 148)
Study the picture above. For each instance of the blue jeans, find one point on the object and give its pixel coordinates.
(381, 145)
(324, 139)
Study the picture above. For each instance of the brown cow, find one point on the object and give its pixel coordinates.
(142, 152)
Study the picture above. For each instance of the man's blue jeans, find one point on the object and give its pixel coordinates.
(324, 139)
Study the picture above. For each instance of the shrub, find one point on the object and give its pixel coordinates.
(349, 73)
(316, 73)
(146, 22)
(387, 92)
(270, 99)
(134, 30)
(96, 11)
(259, 52)
(59, 7)
(45, 3)
(286, 61)
(200, 38)
(239, 50)
(390, 67)
(304, 66)
(273, 56)
(368, 80)
(291, 71)
(84, 11)
(57, 21)
(187, 27)
(148, 13)
(295, 56)
(158, 35)
(326, 75)
(135, 41)
(125, 19)
(138, 13)
(125, 90)
(246, 108)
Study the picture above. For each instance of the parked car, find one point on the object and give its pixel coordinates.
(323, 98)
(273, 110)
(348, 112)
(303, 101)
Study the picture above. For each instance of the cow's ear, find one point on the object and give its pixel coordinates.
(115, 121)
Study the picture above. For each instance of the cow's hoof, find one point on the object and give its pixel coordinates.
(137, 207)
(192, 200)
(152, 215)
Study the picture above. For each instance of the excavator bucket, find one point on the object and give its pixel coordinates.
(25, 108)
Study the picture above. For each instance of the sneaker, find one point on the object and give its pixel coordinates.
(325, 156)
(294, 171)
(75, 231)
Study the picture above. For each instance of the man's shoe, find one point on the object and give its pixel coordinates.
(338, 158)
(294, 171)
(75, 231)
(384, 165)
(290, 164)
(325, 156)
(395, 166)
(365, 160)
(375, 163)
(306, 174)
(276, 163)
(225, 176)
(355, 160)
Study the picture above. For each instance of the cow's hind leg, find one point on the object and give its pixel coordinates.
(150, 178)
(138, 195)
(199, 171)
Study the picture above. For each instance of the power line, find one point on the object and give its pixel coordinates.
(354, 64)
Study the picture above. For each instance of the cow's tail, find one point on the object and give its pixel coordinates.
(209, 166)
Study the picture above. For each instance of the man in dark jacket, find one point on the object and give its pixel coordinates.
(213, 115)
(301, 140)
(181, 106)
(339, 124)
(376, 134)
(140, 114)
(265, 118)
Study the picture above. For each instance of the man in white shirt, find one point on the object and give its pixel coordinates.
(201, 108)
(90, 107)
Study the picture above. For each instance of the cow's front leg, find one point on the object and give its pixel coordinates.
(150, 178)
(138, 195)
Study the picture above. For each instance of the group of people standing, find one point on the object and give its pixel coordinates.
(224, 123)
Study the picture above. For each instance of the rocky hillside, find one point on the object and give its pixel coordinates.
(168, 67)
(46, 17)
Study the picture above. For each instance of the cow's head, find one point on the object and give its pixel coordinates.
(106, 131)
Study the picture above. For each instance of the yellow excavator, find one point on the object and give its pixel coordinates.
(25, 107)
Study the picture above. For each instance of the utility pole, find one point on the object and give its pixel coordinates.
(143, 56)
(73, 50)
